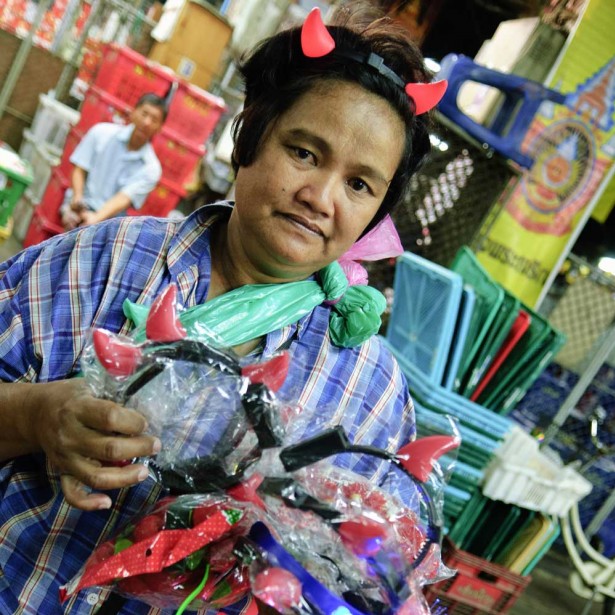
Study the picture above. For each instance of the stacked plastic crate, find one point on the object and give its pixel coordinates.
(468, 350)
(42, 147)
(124, 76)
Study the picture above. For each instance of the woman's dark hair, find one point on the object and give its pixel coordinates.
(277, 73)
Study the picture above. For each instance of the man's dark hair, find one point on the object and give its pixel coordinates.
(277, 73)
(156, 101)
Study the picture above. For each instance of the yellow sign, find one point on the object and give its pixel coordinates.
(573, 147)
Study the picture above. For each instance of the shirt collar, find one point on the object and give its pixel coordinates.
(125, 132)
(189, 251)
(124, 135)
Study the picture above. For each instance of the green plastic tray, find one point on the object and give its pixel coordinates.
(489, 298)
(526, 352)
(500, 327)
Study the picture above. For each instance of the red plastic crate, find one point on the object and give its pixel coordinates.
(40, 229)
(127, 75)
(65, 167)
(194, 113)
(54, 196)
(100, 106)
(161, 200)
(178, 157)
(479, 587)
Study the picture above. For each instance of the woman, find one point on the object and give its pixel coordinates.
(331, 131)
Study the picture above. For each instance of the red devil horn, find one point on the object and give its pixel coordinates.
(119, 358)
(272, 372)
(418, 457)
(162, 323)
(315, 38)
(426, 95)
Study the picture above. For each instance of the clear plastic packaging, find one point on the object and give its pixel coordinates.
(307, 525)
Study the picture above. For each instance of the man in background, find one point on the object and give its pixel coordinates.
(115, 166)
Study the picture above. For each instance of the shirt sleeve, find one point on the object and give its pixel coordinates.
(142, 183)
(51, 294)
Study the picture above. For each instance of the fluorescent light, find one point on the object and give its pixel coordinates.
(607, 264)
(432, 65)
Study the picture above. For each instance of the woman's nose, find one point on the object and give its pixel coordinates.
(319, 192)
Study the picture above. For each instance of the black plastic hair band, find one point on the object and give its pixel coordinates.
(374, 61)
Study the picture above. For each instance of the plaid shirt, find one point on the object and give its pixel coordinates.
(52, 294)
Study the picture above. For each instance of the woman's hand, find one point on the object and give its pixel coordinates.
(84, 437)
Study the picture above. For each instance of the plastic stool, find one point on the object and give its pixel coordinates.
(521, 96)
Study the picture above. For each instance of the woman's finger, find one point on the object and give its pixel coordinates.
(77, 495)
(113, 448)
(90, 473)
(109, 417)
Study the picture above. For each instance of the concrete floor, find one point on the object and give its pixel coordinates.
(549, 592)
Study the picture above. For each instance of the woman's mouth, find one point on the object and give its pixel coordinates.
(304, 224)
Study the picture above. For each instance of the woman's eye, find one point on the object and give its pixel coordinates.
(302, 153)
(358, 185)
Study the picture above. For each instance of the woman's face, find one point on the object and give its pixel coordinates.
(320, 175)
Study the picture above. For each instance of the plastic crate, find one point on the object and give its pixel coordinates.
(498, 331)
(478, 588)
(15, 177)
(178, 157)
(127, 75)
(22, 215)
(40, 229)
(163, 199)
(42, 161)
(52, 122)
(194, 113)
(54, 196)
(100, 106)
(74, 138)
(489, 299)
(424, 313)
(462, 328)
(523, 475)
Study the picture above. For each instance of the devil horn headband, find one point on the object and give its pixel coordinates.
(316, 42)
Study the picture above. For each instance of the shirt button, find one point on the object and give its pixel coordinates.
(92, 599)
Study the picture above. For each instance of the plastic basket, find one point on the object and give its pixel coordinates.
(127, 75)
(478, 588)
(424, 313)
(163, 199)
(100, 106)
(178, 157)
(40, 229)
(521, 474)
(502, 323)
(462, 328)
(22, 215)
(43, 161)
(15, 177)
(520, 326)
(524, 364)
(194, 113)
(72, 140)
(54, 196)
(52, 122)
(489, 298)
(469, 413)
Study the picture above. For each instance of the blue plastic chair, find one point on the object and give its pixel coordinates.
(522, 98)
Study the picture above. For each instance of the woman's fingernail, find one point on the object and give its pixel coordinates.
(143, 474)
(157, 447)
(104, 505)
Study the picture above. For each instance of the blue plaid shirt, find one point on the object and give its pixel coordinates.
(52, 294)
